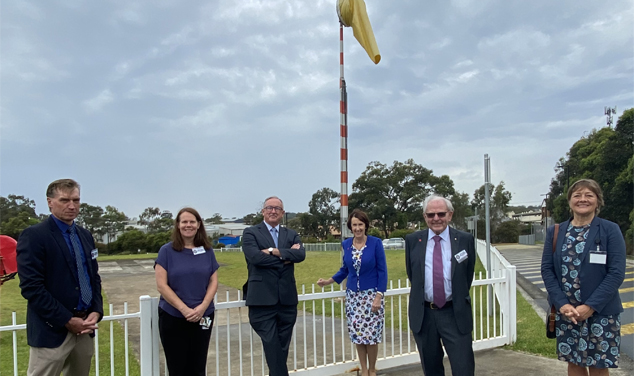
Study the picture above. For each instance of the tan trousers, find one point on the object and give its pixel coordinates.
(72, 357)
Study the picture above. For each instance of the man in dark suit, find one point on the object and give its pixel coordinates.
(271, 252)
(440, 263)
(57, 266)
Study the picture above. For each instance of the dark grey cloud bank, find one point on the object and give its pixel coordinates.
(218, 104)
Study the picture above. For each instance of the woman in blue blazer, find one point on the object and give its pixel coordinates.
(582, 278)
(365, 268)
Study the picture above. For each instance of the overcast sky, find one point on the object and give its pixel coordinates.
(218, 104)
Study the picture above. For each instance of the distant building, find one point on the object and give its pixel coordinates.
(527, 217)
(226, 229)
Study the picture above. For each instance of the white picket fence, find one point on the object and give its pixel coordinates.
(320, 345)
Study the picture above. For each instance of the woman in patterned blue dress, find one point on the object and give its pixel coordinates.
(365, 268)
(582, 278)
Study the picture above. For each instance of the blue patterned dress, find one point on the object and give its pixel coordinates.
(594, 342)
(364, 326)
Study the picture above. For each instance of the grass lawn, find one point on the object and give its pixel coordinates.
(12, 301)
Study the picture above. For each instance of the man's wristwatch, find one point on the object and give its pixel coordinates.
(271, 251)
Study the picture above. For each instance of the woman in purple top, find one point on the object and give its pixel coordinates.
(187, 280)
(365, 268)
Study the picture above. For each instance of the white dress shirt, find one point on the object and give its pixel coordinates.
(445, 244)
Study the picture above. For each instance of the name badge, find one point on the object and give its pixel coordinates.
(598, 258)
(461, 256)
(94, 253)
(205, 322)
(198, 251)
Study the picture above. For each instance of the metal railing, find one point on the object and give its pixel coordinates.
(320, 344)
(311, 247)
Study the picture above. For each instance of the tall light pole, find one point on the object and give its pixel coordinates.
(487, 213)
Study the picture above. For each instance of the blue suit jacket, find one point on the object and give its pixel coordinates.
(48, 279)
(373, 272)
(599, 282)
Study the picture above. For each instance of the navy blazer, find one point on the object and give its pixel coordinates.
(373, 272)
(48, 280)
(461, 277)
(599, 282)
(271, 279)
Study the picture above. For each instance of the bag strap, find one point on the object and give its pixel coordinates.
(553, 311)
(555, 237)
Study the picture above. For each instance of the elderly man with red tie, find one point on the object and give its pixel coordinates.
(440, 263)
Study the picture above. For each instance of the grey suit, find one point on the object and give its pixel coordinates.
(453, 323)
(272, 294)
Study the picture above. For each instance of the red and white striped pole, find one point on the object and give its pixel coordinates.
(344, 141)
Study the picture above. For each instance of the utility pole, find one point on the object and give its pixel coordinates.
(487, 213)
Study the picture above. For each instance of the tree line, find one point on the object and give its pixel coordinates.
(607, 156)
(393, 196)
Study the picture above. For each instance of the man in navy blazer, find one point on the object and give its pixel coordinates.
(440, 263)
(271, 252)
(63, 295)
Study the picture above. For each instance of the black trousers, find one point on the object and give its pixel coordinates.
(440, 324)
(274, 324)
(185, 344)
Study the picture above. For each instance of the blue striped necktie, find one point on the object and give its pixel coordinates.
(274, 234)
(84, 287)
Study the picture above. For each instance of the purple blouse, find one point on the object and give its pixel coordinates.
(188, 275)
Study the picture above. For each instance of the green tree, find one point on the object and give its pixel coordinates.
(253, 219)
(91, 218)
(462, 209)
(13, 227)
(506, 232)
(131, 242)
(324, 209)
(216, 218)
(157, 240)
(16, 214)
(114, 221)
(393, 195)
(149, 215)
(156, 220)
(305, 224)
(12, 205)
(605, 155)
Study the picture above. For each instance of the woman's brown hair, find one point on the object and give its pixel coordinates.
(360, 215)
(593, 186)
(200, 239)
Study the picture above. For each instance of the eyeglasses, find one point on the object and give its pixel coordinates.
(432, 215)
(273, 208)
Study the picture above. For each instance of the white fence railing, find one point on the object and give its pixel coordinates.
(500, 266)
(320, 343)
(311, 247)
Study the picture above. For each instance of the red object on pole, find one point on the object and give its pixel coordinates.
(8, 264)
(343, 109)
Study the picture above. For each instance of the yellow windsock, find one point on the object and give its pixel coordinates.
(353, 13)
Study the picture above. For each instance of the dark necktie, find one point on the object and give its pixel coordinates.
(84, 287)
(439, 280)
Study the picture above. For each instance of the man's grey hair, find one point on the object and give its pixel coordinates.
(270, 198)
(434, 198)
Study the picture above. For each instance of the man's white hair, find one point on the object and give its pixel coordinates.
(434, 198)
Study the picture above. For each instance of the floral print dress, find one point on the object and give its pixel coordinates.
(364, 326)
(594, 342)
